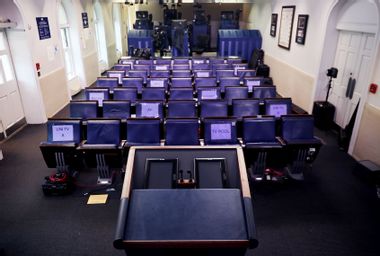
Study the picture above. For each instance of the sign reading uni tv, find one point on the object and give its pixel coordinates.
(84, 19)
(43, 27)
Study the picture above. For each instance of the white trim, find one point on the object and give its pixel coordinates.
(364, 95)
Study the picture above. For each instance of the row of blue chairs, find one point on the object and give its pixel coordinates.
(202, 93)
(239, 108)
(107, 140)
(175, 76)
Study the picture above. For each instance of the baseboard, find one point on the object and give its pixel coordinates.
(12, 129)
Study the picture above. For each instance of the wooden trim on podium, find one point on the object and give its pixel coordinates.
(243, 174)
(128, 174)
(186, 243)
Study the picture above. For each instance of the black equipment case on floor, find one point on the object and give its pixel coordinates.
(323, 112)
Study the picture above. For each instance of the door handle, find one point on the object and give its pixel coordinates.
(352, 88)
(348, 87)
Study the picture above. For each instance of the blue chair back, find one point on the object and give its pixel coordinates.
(174, 131)
(107, 82)
(219, 131)
(143, 131)
(259, 129)
(297, 127)
(205, 82)
(103, 131)
(181, 94)
(159, 73)
(263, 92)
(245, 107)
(203, 73)
(235, 92)
(229, 81)
(157, 82)
(83, 109)
(153, 94)
(181, 73)
(116, 109)
(129, 94)
(64, 131)
(98, 94)
(136, 82)
(181, 108)
(278, 106)
(119, 74)
(214, 108)
(181, 82)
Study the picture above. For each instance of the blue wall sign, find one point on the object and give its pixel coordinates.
(43, 27)
(85, 19)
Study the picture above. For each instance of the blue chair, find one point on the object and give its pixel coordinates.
(138, 73)
(222, 73)
(180, 61)
(181, 66)
(301, 146)
(144, 62)
(122, 67)
(263, 149)
(229, 81)
(201, 66)
(181, 73)
(220, 131)
(153, 93)
(242, 73)
(245, 107)
(157, 73)
(232, 61)
(174, 131)
(83, 109)
(116, 109)
(162, 62)
(107, 82)
(216, 61)
(103, 147)
(181, 108)
(156, 82)
(59, 150)
(141, 67)
(209, 93)
(181, 82)
(119, 74)
(136, 82)
(264, 92)
(98, 94)
(181, 94)
(205, 82)
(149, 109)
(213, 108)
(278, 106)
(143, 131)
(129, 94)
(235, 92)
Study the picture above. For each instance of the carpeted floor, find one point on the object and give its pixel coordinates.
(330, 213)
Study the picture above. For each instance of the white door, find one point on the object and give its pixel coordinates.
(11, 110)
(352, 60)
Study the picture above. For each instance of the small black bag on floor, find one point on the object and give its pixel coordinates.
(263, 70)
(58, 184)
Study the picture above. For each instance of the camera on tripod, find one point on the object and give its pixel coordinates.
(332, 72)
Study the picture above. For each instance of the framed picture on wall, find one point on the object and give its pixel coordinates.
(301, 28)
(273, 25)
(286, 26)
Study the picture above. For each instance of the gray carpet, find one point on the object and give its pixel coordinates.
(330, 213)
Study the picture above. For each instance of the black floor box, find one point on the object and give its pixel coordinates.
(323, 113)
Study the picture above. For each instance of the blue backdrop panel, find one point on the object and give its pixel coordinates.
(140, 39)
(238, 42)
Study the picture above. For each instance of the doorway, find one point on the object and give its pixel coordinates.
(11, 110)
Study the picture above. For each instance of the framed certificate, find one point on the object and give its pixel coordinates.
(301, 28)
(286, 26)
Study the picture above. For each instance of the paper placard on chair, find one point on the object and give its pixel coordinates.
(203, 74)
(220, 131)
(252, 83)
(162, 67)
(99, 96)
(149, 109)
(156, 83)
(117, 75)
(238, 68)
(63, 132)
(278, 110)
(209, 95)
